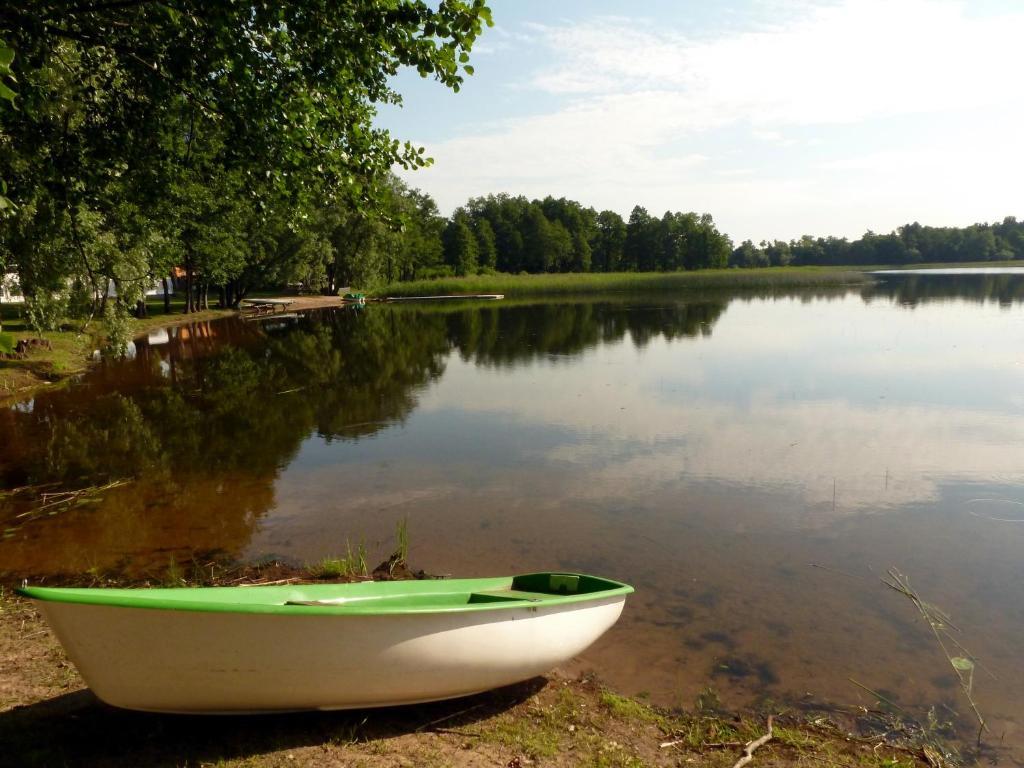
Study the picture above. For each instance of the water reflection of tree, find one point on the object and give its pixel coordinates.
(204, 424)
(921, 289)
(239, 399)
(204, 446)
(494, 335)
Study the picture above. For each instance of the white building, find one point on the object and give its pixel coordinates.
(10, 292)
(155, 288)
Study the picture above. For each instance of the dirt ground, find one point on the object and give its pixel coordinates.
(49, 718)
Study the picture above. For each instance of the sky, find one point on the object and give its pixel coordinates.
(780, 118)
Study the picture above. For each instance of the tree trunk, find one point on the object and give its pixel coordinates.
(167, 296)
(205, 296)
(330, 290)
(190, 301)
(222, 300)
(140, 309)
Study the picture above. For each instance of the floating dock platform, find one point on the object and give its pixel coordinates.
(483, 296)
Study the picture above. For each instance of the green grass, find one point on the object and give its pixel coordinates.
(351, 565)
(7, 343)
(536, 737)
(402, 540)
(626, 708)
(614, 282)
(540, 731)
(68, 355)
(174, 577)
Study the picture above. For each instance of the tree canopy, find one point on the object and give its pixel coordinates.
(290, 86)
(232, 140)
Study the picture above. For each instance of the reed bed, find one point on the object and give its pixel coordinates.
(616, 282)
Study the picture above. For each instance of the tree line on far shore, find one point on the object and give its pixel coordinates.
(910, 244)
(513, 234)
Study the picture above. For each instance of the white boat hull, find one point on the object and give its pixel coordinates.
(207, 662)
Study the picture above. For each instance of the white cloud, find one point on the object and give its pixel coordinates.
(651, 116)
(837, 64)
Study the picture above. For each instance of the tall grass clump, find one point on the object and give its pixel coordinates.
(173, 576)
(402, 540)
(351, 565)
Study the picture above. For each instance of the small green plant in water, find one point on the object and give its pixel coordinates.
(402, 540)
(352, 564)
(174, 577)
(401, 554)
(708, 701)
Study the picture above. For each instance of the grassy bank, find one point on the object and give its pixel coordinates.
(48, 717)
(71, 347)
(617, 282)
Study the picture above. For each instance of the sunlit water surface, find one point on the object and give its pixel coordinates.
(753, 464)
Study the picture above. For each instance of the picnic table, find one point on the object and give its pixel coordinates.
(267, 306)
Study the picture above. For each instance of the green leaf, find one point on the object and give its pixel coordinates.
(7, 93)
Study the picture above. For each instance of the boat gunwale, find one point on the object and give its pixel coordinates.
(123, 598)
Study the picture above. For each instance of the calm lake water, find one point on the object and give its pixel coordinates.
(712, 450)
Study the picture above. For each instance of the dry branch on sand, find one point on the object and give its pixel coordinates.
(748, 751)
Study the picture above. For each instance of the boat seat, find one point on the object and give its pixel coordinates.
(489, 596)
(515, 594)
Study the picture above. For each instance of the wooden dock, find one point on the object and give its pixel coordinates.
(481, 296)
(267, 306)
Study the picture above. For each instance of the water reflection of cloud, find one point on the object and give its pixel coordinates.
(878, 458)
(785, 394)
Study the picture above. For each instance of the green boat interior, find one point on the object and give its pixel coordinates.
(532, 588)
(391, 597)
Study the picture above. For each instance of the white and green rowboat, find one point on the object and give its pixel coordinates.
(324, 646)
